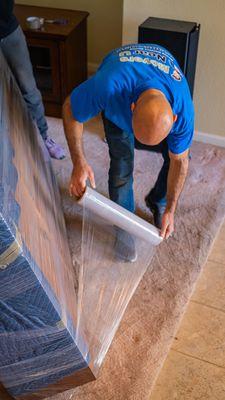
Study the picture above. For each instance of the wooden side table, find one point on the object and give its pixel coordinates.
(58, 52)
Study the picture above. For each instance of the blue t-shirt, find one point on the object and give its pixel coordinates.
(123, 75)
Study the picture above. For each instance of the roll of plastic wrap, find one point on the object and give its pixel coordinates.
(119, 216)
(107, 279)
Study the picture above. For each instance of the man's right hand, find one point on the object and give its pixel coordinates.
(81, 173)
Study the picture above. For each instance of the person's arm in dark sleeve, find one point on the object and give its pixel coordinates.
(6, 10)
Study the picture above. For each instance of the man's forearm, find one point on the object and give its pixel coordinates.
(176, 179)
(74, 133)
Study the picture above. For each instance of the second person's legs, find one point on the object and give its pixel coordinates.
(14, 48)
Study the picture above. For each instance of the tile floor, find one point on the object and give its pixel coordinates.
(195, 366)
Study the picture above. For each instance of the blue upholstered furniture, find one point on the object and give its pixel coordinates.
(38, 337)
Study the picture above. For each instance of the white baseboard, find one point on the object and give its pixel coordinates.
(209, 138)
(92, 68)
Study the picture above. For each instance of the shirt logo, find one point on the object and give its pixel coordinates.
(176, 75)
(151, 55)
(127, 56)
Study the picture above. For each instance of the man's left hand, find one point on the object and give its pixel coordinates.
(167, 224)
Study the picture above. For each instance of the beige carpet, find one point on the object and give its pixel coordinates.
(151, 320)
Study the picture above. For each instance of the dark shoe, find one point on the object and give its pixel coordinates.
(157, 212)
(125, 248)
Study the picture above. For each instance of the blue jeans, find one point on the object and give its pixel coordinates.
(14, 48)
(121, 151)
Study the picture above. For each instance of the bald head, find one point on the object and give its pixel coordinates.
(152, 117)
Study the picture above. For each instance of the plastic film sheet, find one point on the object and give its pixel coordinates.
(38, 302)
(107, 278)
(55, 329)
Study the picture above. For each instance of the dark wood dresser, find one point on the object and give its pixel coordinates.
(58, 52)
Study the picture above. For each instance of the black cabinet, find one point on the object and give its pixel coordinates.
(179, 37)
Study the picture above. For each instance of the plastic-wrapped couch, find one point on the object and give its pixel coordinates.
(38, 351)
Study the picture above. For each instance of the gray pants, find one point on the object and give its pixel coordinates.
(14, 48)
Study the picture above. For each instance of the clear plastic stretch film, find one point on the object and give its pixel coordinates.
(38, 311)
(106, 282)
(55, 329)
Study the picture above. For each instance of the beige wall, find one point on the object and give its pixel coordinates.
(210, 79)
(104, 22)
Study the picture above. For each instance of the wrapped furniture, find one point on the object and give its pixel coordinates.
(37, 296)
(56, 322)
